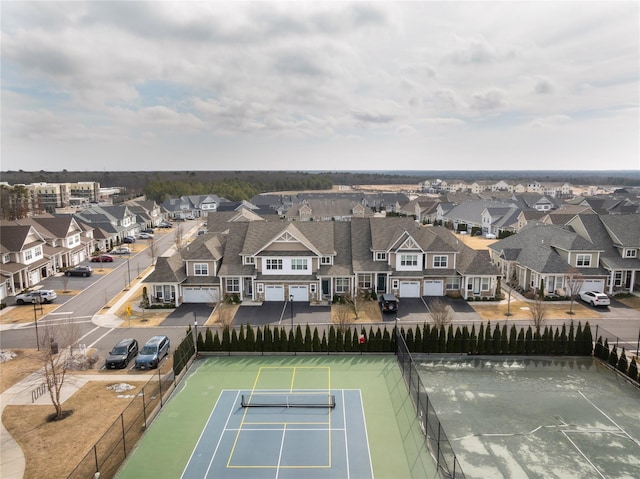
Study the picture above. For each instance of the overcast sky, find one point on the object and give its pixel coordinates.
(320, 85)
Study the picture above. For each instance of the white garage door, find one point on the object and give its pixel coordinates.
(205, 294)
(409, 289)
(433, 287)
(300, 293)
(592, 285)
(274, 293)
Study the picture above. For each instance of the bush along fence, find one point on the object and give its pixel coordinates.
(574, 340)
(617, 360)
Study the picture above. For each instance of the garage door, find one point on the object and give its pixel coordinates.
(433, 287)
(274, 293)
(409, 289)
(300, 293)
(205, 294)
(592, 285)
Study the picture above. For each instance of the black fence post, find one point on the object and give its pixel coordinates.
(124, 440)
(95, 455)
(144, 409)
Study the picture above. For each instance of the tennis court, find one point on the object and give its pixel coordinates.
(323, 417)
(535, 418)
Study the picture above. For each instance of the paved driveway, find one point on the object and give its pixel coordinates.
(185, 314)
(279, 312)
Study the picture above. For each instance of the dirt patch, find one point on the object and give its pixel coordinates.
(476, 242)
(223, 314)
(520, 310)
(58, 446)
(24, 313)
(368, 312)
(24, 363)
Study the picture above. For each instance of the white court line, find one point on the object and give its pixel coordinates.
(201, 434)
(611, 420)
(284, 432)
(583, 455)
(366, 434)
(344, 423)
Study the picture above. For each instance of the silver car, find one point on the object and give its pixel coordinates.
(38, 296)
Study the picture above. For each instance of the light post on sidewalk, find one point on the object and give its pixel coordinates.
(35, 321)
(291, 301)
(195, 331)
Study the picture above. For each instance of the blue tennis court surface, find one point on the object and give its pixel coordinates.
(283, 441)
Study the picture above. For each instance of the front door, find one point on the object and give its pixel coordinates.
(325, 288)
(247, 288)
(382, 283)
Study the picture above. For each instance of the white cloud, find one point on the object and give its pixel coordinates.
(388, 82)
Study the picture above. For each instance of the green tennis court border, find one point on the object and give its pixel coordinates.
(395, 441)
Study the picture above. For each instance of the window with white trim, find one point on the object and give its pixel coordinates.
(409, 260)
(249, 260)
(201, 269)
(260, 288)
(486, 282)
(452, 283)
(273, 264)
(299, 264)
(342, 285)
(28, 254)
(395, 284)
(364, 280)
(583, 260)
(440, 261)
(37, 252)
(233, 285)
(381, 256)
(630, 253)
(326, 260)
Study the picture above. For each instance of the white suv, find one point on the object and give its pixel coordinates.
(37, 296)
(595, 298)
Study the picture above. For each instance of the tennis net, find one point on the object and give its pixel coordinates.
(289, 400)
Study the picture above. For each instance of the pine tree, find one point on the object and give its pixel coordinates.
(234, 340)
(316, 341)
(377, 343)
(332, 339)
(577, 342)
(348, 342)
(587, 340)
(267, 341)
(564, 347)
(291, 342)
(208, 341)
(473, 340)
(242, 340)
(323, 344)
(633, 369)
(613, 357)
(299, 340)
(308, 341)
(259, 341)
(513, 338)
(226, 339)
(217, 345)
(339, 340)
(450, 339)
(387, 345)
(488, 339)
(623, 364)
(442, 340)
(426, 338)
(520, 345)
(504, 340)
(481, 342)
(417, 340)
(571, 341)
(528, 341)
(250, 338)
(409, 340)
(497, 340)
(277, 344)
(465, 346)
(457, 341)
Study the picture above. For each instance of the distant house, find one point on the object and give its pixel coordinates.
(24, 263)
(192, 206)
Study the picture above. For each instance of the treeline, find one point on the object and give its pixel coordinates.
(617, 360)
(235, 189)
(419, 339)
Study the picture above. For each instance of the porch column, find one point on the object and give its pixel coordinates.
(633, 280)
(612, 276)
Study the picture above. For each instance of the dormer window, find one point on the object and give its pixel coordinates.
(630, 253)
(381, 256)
(583, 260)
(326, 260)
(248, 260)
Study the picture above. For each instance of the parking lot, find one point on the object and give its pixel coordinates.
(279, 312)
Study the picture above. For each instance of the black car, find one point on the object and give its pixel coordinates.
(128, 239)
(81, 270)
(388, 303)
(122, 353)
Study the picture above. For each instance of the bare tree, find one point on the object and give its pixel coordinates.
(59, 356)
(65, 283)
(574, 284)
(512, 284)
(178, 238)
(152, 250)
(342, 316)
(538, 310)
(225, 314)
(440, 313)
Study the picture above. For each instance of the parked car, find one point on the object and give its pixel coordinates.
(122, 353)
(152, 352)
(165, 224)
(102, 258)
(490, 236)
(595, 298)
(80, 270)
(147, 230)
(388, 303)
(37, 296)
(121, 250)
(145, 236)
(128, 239)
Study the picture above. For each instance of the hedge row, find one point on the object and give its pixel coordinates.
(620, 362)
(420, 339)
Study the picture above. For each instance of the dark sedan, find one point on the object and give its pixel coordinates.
(102, 258)
(81, 270)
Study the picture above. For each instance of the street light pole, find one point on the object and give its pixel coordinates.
(291, 301)
(128, 272)
(35, 321)
(195, 330)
